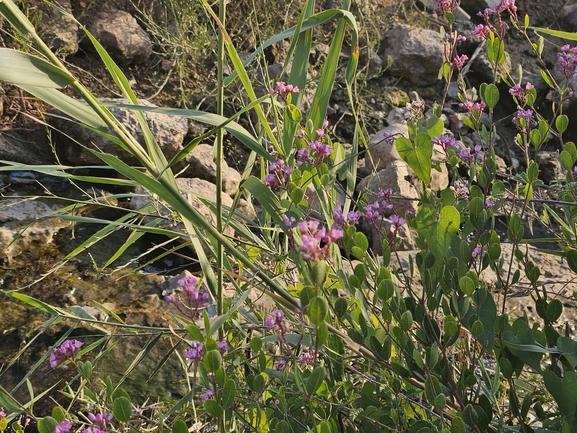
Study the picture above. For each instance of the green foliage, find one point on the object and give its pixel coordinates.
(370, 346)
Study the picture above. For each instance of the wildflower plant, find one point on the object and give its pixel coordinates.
(356, 341)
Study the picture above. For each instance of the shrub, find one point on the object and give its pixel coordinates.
(371, 346)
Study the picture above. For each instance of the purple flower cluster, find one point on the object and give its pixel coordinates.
(283, 90)
(100, 421)
(196, 351)
(223, 347)
(414, 111)
(460, 61)
(208, 394)
(316, 151)
(470, 157)
(498, 26)
(66, 351)
(475, 253)
(524, 120)
(316, 241)
(447, 5)
(568, 60)
(446, 142)
(64, 427)
(518, 92)
(275, 321)
(350, 219)
(307, 358)
(195, 300)
(461, 189)
(475, 109)
(278, 176)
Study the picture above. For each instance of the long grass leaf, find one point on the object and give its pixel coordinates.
(209, 118)
(314, 21)
(23, 69)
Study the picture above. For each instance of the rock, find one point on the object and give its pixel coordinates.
(201, 165)
(26, 224)
(59, 31)
(169, 131)
(247, 209)
(475, 6)
(569, 16)
(397, 176)
(191, 189)
(122, 37)
(483, 71)
(33, 149)
(370, 60)
(382, 150)
(417, 54)
(395, 97)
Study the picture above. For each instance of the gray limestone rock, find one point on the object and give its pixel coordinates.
(417, 54)
(122, 37)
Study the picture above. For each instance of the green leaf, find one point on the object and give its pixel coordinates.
(491, 95)
(572, 259)
(440, 231)
(179, 426)
(21, 68)
(258, 383)
(547, 79)
(568, 348)
(418, 155)
(458, 425)
(228, 394)
(557, 33)
(317, 310)
(47, 425)
(195, 332)
(467, 285)
(553, 310)
(561, 123)
(58, 413)
(213, 408)
(340, 307)
(566, 160)
(564, 391)
(122, 409)
(212, 360)
(266, 198)
(315, 380)
(406, 321)
(435, 127)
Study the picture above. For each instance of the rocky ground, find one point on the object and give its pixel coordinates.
(406, 31)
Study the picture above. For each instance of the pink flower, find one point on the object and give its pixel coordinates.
(459, 61)
(223, 347)
(101, 419)
(482, 31)
(476, 251)
(316, 242)
(66, 351)
(207, 395)
(196, 351)
(64, 427)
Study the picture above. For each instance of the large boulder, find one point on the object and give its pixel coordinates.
(169, 132)
(120, 34)
(417, 54)
(60, 31)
